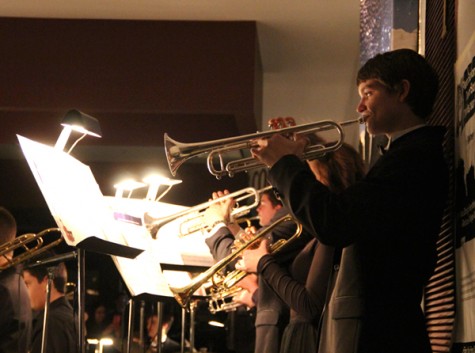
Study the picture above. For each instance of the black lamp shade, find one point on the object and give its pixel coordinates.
(82, 122)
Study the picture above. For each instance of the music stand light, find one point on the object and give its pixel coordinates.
(215, 323)
(80, 122)
(154, 182)
(127, 185)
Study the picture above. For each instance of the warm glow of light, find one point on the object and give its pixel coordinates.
(127, 185)
(106, 342)
(156, 179)
(215, 323)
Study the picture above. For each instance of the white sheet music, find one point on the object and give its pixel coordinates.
(193, 249)
(75, 200)
(144, 275)
(168, 247)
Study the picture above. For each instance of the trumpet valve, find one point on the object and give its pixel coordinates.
(280, 123)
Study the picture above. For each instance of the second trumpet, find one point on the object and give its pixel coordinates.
(192, 219)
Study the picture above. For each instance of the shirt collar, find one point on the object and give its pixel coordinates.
(400, 133)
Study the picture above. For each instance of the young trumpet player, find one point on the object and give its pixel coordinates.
(388, 222)
(271, 313)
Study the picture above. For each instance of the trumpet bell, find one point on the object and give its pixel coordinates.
(173, 153)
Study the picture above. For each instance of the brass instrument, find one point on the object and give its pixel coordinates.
(31, 243)
(183, 294)
(177, 152)
(226, 288)
(192, 218)
(246, 220)
(224, 301)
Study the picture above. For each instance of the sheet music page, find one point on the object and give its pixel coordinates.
(72, 195)
(144, 275)
(192, 247)
(169, 247)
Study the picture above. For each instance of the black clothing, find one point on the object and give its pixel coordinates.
(388, 225)
(62, 333)
(15, 313)
(303, 288)
(169, 346)
(272, 314)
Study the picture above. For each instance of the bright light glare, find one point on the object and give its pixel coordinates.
(156, 179)
(129, 185)
(80, 129)
(215, 323)
(106, 341)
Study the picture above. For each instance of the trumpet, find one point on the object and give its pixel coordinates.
(178, 153)
(246, 220)
(183, 294)
(226, 287)
(224, 300)
(192, 218)
(31, 243)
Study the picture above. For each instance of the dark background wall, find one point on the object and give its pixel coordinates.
(196, 81)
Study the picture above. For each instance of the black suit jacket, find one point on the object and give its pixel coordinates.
(15, 313)
(62, 332)
(388, 225)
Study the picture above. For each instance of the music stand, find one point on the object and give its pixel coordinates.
(78, 208)
(167, 260)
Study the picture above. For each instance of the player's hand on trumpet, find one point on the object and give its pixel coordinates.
(243, 236)
(249, 285)
(220, 211)
(244, 298)
(250, 258)
(270, 150)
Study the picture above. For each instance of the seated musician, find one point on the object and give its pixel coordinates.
(15, 310)
(168, 344)
(61, 330)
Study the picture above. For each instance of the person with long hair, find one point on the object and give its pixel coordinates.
(304, 285)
